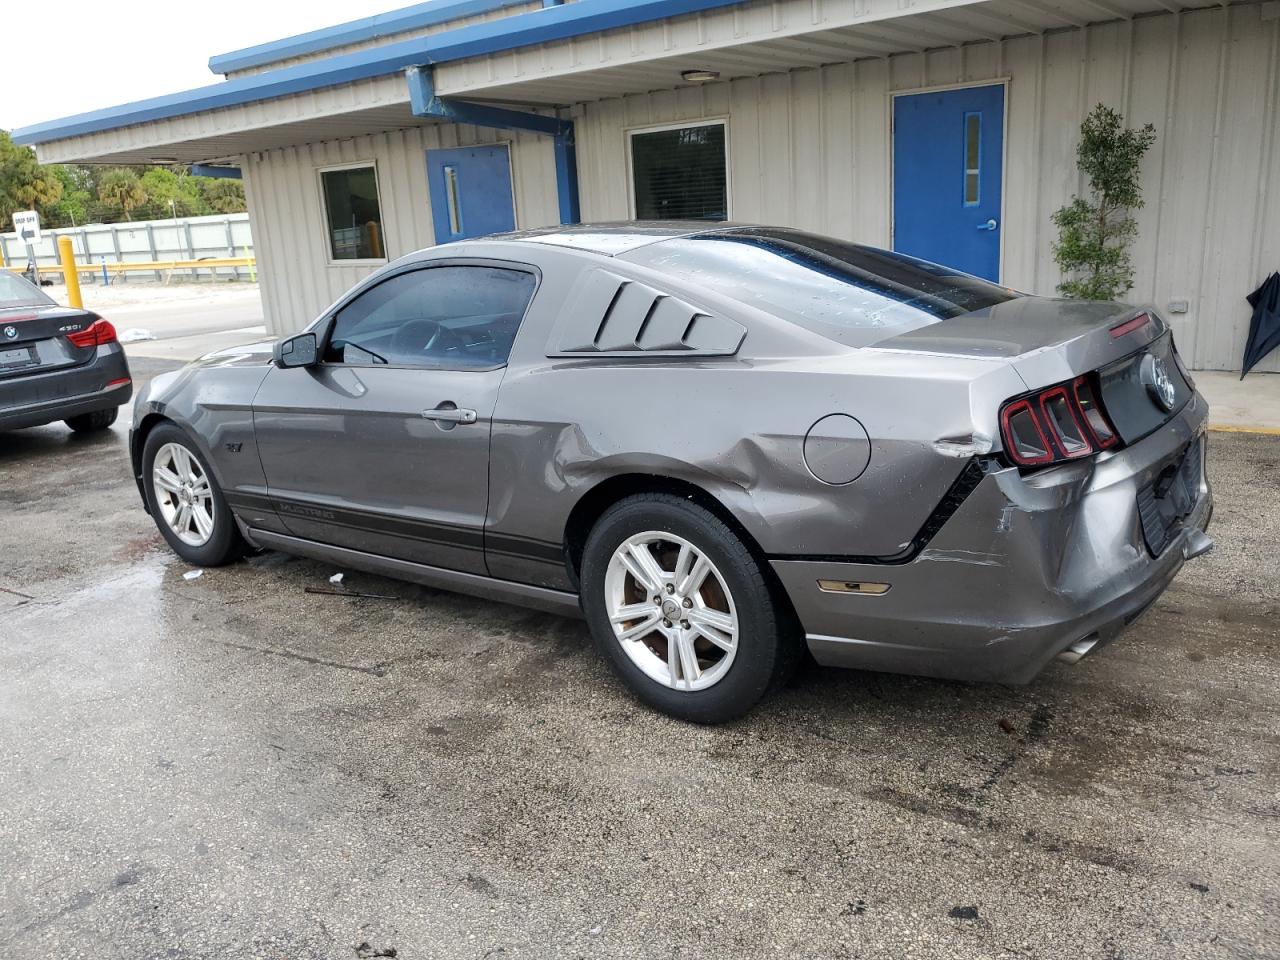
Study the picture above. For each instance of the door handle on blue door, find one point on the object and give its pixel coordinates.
(989, 225)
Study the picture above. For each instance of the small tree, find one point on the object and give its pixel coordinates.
(120, 189)
(223, 196)
(1094, 233)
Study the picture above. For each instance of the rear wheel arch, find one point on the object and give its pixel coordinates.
(592, 505)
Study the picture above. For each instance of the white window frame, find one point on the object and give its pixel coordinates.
(630, 132)
(328, 227)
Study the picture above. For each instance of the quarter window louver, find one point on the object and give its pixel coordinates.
(680, 174)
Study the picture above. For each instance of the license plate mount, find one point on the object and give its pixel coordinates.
(16, 358)
(1170, 498)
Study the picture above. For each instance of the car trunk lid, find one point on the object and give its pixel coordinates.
(35, 339)
(1129, 349)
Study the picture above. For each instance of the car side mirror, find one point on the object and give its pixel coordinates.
(299, 351)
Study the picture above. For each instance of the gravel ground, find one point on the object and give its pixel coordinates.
(229, 767)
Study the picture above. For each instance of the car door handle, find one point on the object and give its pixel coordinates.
(989, 225)
(451, 414)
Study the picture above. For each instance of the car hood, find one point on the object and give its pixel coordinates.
(253, 354)
(1044, 340)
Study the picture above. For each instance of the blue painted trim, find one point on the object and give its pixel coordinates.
(424, 102)
(537, 26)
(416, 17)
(566, 154)
(218, 173)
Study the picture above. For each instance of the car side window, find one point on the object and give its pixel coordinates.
(448, 317)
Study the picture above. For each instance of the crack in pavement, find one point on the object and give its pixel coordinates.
(377, 670)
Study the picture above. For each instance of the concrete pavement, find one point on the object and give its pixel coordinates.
(1251, 405)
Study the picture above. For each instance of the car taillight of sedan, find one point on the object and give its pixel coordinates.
(97, 334)
(1063, 422)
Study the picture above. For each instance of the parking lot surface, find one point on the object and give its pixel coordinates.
(232, 767)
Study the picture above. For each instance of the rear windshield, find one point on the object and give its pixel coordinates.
(16, 292)
(852, 294)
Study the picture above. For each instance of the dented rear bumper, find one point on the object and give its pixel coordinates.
(1025, 568)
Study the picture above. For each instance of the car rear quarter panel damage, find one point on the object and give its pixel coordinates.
(1025, 567)
(732, 426)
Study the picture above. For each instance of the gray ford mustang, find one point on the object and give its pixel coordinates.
(721, 444)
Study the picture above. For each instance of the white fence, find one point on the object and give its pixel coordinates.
(186, 238)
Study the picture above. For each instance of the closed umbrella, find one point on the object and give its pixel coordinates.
(1264, 328)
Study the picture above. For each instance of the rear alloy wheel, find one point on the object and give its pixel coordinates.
(185, 500)
(93, 422)
(679, 626)
(682, 609)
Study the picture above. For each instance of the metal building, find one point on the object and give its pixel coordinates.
(944, 128)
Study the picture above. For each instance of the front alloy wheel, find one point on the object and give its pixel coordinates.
(183, 494)
(185, 500)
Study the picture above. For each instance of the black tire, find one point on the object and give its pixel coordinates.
(225, 544)
(93, 422)
(766, 652)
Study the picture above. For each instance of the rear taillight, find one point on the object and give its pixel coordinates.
(96, 334)
(1062, 422)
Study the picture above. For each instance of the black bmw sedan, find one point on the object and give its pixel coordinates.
(57, 363)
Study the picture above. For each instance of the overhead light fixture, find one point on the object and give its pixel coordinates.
(163, 159)
(699, 76)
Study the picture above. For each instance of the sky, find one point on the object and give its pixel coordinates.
(98, 54)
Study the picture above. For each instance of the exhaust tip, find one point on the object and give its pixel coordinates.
(1077, 651)
(1196, 544)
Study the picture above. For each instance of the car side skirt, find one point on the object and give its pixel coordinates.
(504, 591)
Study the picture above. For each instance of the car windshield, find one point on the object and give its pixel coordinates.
(17, 292)
(849, 293)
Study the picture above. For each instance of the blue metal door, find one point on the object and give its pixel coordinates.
(948, 164)
(470, 191)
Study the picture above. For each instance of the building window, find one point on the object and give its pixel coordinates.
(679, 174)
(972, 159)
(355, 217)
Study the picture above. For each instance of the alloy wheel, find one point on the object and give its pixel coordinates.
(671, 610)
(183, 494)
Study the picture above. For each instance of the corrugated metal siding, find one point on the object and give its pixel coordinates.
(283, 189)
(810, 148)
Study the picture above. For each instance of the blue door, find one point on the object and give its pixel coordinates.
(470, 191)
(948, 163)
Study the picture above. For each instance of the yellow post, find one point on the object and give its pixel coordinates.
(67, 255)
(253, 268)
(374, 230)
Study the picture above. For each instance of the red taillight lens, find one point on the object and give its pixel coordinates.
(96, 334)
(1104, 434)
(1024, 438)
(1062, 422)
